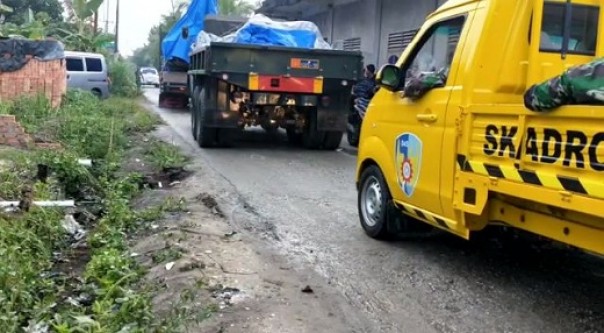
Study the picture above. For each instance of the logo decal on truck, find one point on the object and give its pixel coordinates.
(408, 161)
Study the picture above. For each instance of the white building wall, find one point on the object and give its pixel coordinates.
(372, 21)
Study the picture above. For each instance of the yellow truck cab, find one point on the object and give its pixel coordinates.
(469, 153)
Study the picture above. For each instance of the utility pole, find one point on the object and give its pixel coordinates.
(117, 26)
(108, 2)
(96, 22)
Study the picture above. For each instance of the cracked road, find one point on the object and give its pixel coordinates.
(305, 203)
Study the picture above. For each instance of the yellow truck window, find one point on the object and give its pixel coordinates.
(436, 53)
(577, 22)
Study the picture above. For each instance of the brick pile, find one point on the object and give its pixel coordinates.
(12, 133)
(46, 77)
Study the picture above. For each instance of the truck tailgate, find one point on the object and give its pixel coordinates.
(562, 150)
(174, 77)
(272, 60)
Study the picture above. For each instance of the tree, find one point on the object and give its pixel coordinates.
(236, 7)
(149, 55)
(53, 8)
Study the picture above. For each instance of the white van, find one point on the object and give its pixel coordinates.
(149, 76)
(87, 71)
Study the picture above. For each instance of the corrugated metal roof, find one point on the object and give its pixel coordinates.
(299, 8)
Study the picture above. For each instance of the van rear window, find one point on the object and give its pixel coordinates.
(582, 31)
(74, 64)
(94, 65)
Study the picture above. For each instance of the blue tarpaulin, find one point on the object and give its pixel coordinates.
(174, 45)
(261, 35)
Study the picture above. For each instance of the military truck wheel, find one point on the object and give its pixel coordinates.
(332, 140)
(352, 135)
(373, 199)
(206, 136)
(293, 137)
(226, 137)
(194, 111)
(312, 138)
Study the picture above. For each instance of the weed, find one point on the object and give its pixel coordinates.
(165, 156)
(167, 254)
(32, 287)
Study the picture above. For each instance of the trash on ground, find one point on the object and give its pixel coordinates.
(308, 290)
(169, 266)
(73, 228)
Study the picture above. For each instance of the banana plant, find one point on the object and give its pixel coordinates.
(4, 9)
(82, 10)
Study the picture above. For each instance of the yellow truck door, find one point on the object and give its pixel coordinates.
(414, 130)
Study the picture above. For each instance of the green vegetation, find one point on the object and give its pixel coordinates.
(39, 284)
(164, 156)
(149, 55)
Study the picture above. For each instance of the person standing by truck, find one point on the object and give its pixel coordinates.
(361, 95)
(365, 89)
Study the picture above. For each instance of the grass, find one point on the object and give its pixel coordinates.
(165, 156)
(33, 286)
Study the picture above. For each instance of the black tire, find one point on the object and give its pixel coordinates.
(97, 93)
(373, 214)
(206, 136)
(270, 129)
(353, 136)
(194, 111)
(312, 138)
(293, 137)
(226, 137)
(332, 140)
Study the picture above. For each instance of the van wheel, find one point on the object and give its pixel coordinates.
(97, 93)
(373, 200)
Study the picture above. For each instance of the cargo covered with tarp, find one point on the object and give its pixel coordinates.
(579, 85)
(176, 45)
(261, 30)
(29, 67)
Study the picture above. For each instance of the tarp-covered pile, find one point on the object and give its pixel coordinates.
(583, 84)
(175, 47)
(30, 67)
(261, 30)
(16, 53)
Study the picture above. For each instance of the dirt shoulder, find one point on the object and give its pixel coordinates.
(236, 282)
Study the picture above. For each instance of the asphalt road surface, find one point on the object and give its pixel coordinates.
(307, 200)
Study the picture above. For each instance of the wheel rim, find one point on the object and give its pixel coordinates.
(371, 201)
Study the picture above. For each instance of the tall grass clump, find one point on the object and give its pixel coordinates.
(123, 79)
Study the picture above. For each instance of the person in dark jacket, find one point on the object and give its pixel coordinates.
(365, 89)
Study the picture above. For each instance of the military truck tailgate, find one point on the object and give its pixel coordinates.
(562, 150)
(174, 77)
(275, 60)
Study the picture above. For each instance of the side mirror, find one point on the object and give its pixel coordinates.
(185, 33)
(389, 77)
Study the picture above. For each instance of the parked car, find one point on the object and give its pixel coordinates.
(149, 76)
(87, 71)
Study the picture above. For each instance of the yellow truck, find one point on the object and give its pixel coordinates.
(469, 154)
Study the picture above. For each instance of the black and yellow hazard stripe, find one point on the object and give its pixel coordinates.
(537, 178)
(424, 215)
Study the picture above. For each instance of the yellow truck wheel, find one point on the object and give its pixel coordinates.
(373, 199)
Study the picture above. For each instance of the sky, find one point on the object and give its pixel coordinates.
(137, 17)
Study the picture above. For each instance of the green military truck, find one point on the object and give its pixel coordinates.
(304, 91)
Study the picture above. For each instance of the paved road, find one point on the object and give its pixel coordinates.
(438, 284)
